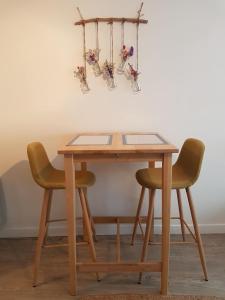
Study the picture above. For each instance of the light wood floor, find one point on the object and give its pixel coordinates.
(185, 272)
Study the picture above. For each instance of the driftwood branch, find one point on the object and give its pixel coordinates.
(140, 9)
(80, 13)
(110, 20)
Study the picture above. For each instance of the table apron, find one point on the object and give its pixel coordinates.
(121, 157)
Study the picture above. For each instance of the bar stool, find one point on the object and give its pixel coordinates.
(49, 178)
(185, 173)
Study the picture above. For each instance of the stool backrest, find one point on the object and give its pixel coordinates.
(190, 158)
(39, 162)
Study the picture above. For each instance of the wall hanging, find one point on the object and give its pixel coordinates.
(92, 56)
(108, 66)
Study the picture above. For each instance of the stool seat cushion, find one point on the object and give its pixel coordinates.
(152, 178)
(185, 171)
(55, 179)
(49, 177)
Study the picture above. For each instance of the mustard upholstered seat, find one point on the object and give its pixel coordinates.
(152, 178)
(56, 179)
(49, 178)
(185, 172)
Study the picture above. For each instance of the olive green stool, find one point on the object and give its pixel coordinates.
(49, 178)
(185, 173)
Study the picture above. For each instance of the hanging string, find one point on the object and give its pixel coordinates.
(111, 42)
(137, 34)
(122, 34)
(97, 40)
(84, 50)
(137, 45)
(84, 42)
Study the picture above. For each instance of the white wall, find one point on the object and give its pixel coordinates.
(182, 64)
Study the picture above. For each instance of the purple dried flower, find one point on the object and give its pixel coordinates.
(131, 51)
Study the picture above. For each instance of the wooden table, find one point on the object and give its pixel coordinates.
(118, 151)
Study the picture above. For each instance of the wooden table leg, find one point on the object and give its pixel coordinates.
(71, 216)
(166, 195)
(151, 164)
(85, 235)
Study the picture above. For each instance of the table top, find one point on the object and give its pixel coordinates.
(117, 142)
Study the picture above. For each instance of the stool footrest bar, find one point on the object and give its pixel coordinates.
(62, 245)
(189, 229)
(119, 267)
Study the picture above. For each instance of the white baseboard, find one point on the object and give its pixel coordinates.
(17, 232)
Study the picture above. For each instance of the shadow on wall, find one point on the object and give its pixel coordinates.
(2, 206)
(21, 200)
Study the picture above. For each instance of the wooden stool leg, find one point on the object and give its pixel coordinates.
(88, 227)
(138, 214)
(197, 234)
(148, 229)
(152, 228)
(41, 234)
(181, 215)
(152, 221)
(90, 217)
(48, 217)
